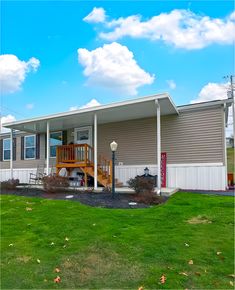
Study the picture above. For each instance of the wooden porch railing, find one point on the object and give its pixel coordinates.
(75, 153)
(104, 166)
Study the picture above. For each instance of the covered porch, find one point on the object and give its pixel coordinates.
(84, 155)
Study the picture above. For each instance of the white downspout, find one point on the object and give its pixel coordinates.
(95, 151)
(48, 148)
(158, 147)
(11, 153)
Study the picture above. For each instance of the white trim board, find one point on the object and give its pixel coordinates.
(206, 176)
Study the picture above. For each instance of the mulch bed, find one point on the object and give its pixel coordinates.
(103, 199)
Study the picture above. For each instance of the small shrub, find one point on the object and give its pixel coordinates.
(141, 184)
(144, 188)
(107, 189)
(10, 183)
(54, 183)
(149, 198)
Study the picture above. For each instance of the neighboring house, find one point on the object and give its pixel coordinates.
(230, 142)
(192, 136)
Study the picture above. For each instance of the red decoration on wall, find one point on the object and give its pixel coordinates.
(163, 169)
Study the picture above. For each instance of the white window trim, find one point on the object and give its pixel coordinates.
(29, 147)
(54, 145)
(89, 128)
(6, 149)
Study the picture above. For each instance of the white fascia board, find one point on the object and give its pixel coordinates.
(228, 102)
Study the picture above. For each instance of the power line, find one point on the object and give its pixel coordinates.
(13, 111)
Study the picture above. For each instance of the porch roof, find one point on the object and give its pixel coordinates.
(121, 111)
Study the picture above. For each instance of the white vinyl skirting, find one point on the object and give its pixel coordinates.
(204, 176)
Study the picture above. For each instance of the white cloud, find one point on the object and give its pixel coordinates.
(73, 108)
(171, 84)
(92, 103)
(13, 72)
(212, 91)
(97, 15)
(216, 91)
(6, 119)
(113, 66)
(180, 28)
(29, 106)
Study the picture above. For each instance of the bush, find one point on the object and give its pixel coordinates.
(149, 198)
(144, 188)
(141, 184)
(10, 183)
(54, 183)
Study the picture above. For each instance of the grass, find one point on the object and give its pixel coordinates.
(108, 248)
(230, 160)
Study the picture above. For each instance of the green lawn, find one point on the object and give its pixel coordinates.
(230, 160)
(117, 248)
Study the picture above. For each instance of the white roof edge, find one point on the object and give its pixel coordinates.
(94, 109)
(205, 104)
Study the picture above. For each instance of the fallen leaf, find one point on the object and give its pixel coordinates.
(57, 270)
(141, 288)
(218, 253)
(66, 239)
(28, 208)
(94, 225)
(205, 271)
(163, 279)
(52, 243)
(183, 273)
(186, 245)
(64, 246)
(190, 262)
(232, 275)
(11, 245)
(231, 283)
(38, 261)
(57, 279)
(198, 273)
(45, 280)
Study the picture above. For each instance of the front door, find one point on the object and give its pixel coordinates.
(83, 135)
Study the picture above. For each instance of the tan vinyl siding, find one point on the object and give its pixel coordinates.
(194, 136)
(18, 163)
(136, 141)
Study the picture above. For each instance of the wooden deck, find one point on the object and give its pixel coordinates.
(82, 156)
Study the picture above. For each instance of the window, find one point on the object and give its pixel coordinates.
(30, 147)
(55, 140)
(6, 149)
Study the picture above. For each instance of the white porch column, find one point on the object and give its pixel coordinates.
(158, 147)
(48, 148)
(95, 151)
(11, 153)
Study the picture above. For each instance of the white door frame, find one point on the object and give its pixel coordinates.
(89, 128)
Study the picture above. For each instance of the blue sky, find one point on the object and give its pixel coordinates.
(139, 57)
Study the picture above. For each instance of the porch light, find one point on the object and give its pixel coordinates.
(146, 171)
(113, 146)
